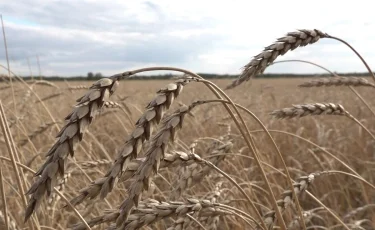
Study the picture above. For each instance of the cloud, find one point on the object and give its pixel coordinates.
(74, 37)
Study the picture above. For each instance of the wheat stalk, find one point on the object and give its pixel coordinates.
(289, 42)
(133, 144)
(338, 81)
(310, 109)
(68, 138)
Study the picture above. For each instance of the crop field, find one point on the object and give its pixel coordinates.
(186, 153)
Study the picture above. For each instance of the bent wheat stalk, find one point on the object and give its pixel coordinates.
(289, 42)
(68, 138)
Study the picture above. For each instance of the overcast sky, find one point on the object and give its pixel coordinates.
(74, 37)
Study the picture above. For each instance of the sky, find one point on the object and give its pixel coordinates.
(74, 37)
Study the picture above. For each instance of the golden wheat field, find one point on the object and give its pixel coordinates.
(190, 153)
(312, 144)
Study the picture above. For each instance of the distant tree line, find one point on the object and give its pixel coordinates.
(92, 77)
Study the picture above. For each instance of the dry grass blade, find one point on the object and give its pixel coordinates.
(68, 138)
(338, 81)
(289, 42)
(155, 153)
(310, 109)
(133, 144)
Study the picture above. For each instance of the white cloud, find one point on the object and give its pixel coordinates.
(75, 37)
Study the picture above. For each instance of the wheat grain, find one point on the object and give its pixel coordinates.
(111, 105)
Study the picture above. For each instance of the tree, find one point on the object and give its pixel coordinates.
(98, 75)
(90, 75)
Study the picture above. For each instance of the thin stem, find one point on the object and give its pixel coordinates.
(196, 221)
(5, 208)
(308, 62)
(355, 51)
(360, 124)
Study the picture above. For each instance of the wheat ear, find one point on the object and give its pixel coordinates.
(289, 42)
(68, 138)
(310, 109)
(133, 144)
(150, 211)
(338, 81)
(287, 198)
